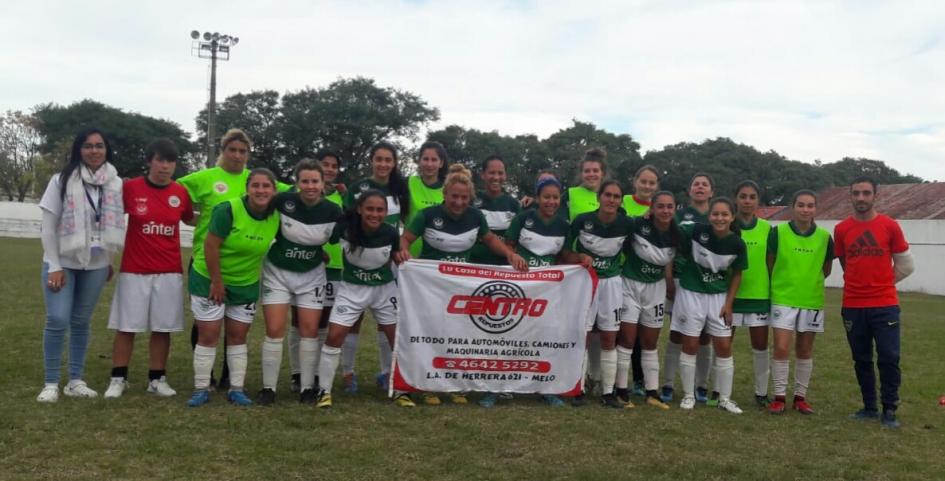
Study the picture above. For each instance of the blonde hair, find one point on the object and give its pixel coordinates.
(230, 136)
(459, 174)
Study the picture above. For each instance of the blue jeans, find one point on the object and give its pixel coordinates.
(69, 308)
(865, 326)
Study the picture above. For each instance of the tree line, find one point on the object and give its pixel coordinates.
(349, 115)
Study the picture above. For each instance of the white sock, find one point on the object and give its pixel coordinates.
(779, 375)
(271, 362)
(623, 366)
(322, 335)
(762, 369)
(671, 362)
(308, 356)
(237, 358)
(204, 358)
(584, 369)
(608, 370)
(650, 362)
(802, 371)
(349, 349)
(294, 349)
(687, 373)
(703, 365)
(383, 352)
(724, 373)
(593, 357)
(327, 367)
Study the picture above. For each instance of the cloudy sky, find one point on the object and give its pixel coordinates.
(811, 80)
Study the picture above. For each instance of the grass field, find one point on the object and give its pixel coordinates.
(365, 437)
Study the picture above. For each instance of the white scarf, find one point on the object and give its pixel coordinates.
(77, 227)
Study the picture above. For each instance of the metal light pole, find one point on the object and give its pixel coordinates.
(213, 46)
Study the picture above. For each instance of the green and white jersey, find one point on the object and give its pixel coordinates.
(246, 238)
(210, 187)
(576, 201)
(687, 216)
(393, 205)
(753, 295)
(368, 262)
(499, 212)
(797, 277)
(710, 261)
(603, 242)
(538, 241)
(634, 207)
(303, 230)
(647, 252)
(446, 238)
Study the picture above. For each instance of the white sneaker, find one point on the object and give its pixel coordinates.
(161, 388)
(116, 388)
(49, 394)
(78, 388)
(729, 406)
(688, 402)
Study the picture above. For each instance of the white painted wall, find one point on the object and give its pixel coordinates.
(927, 238)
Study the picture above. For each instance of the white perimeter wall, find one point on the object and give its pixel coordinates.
(927, 238)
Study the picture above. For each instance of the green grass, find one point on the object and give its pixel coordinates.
(365, 437)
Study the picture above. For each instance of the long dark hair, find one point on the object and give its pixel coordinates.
(75, 157)
(731, 207)
(675, 235)
(441, 153)
(396, 183)
(353, 229)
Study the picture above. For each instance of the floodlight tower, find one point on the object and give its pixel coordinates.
(213, 46)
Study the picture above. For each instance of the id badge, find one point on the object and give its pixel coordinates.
(96, 237)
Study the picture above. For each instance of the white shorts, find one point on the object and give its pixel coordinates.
(669, 302)
(331, 287)
(605, 309)
(148, 302)
(352, 299)
(206, 310)
(643, 302)
(696, 311)
(796, 319)
(754, 319)
(300, 289)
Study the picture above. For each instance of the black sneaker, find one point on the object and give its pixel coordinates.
(296, 384)
(579, 400)
(762, 401)
(611, 401)
(865, 415)
(889, 420)
(623, 394)
(266, 397)
(308, 396)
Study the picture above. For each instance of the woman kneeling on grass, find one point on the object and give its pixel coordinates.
(648, 250)
(294, 276)
(800, 255)
(715, 258)
(368, 245)
(449, 232)
(224, 282)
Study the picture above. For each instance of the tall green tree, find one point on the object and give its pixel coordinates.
(844, 171)
(128, 132)
(259, 114)
(19, 154)
(349, 116)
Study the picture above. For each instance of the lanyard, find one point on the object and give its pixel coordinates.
(96, 209)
